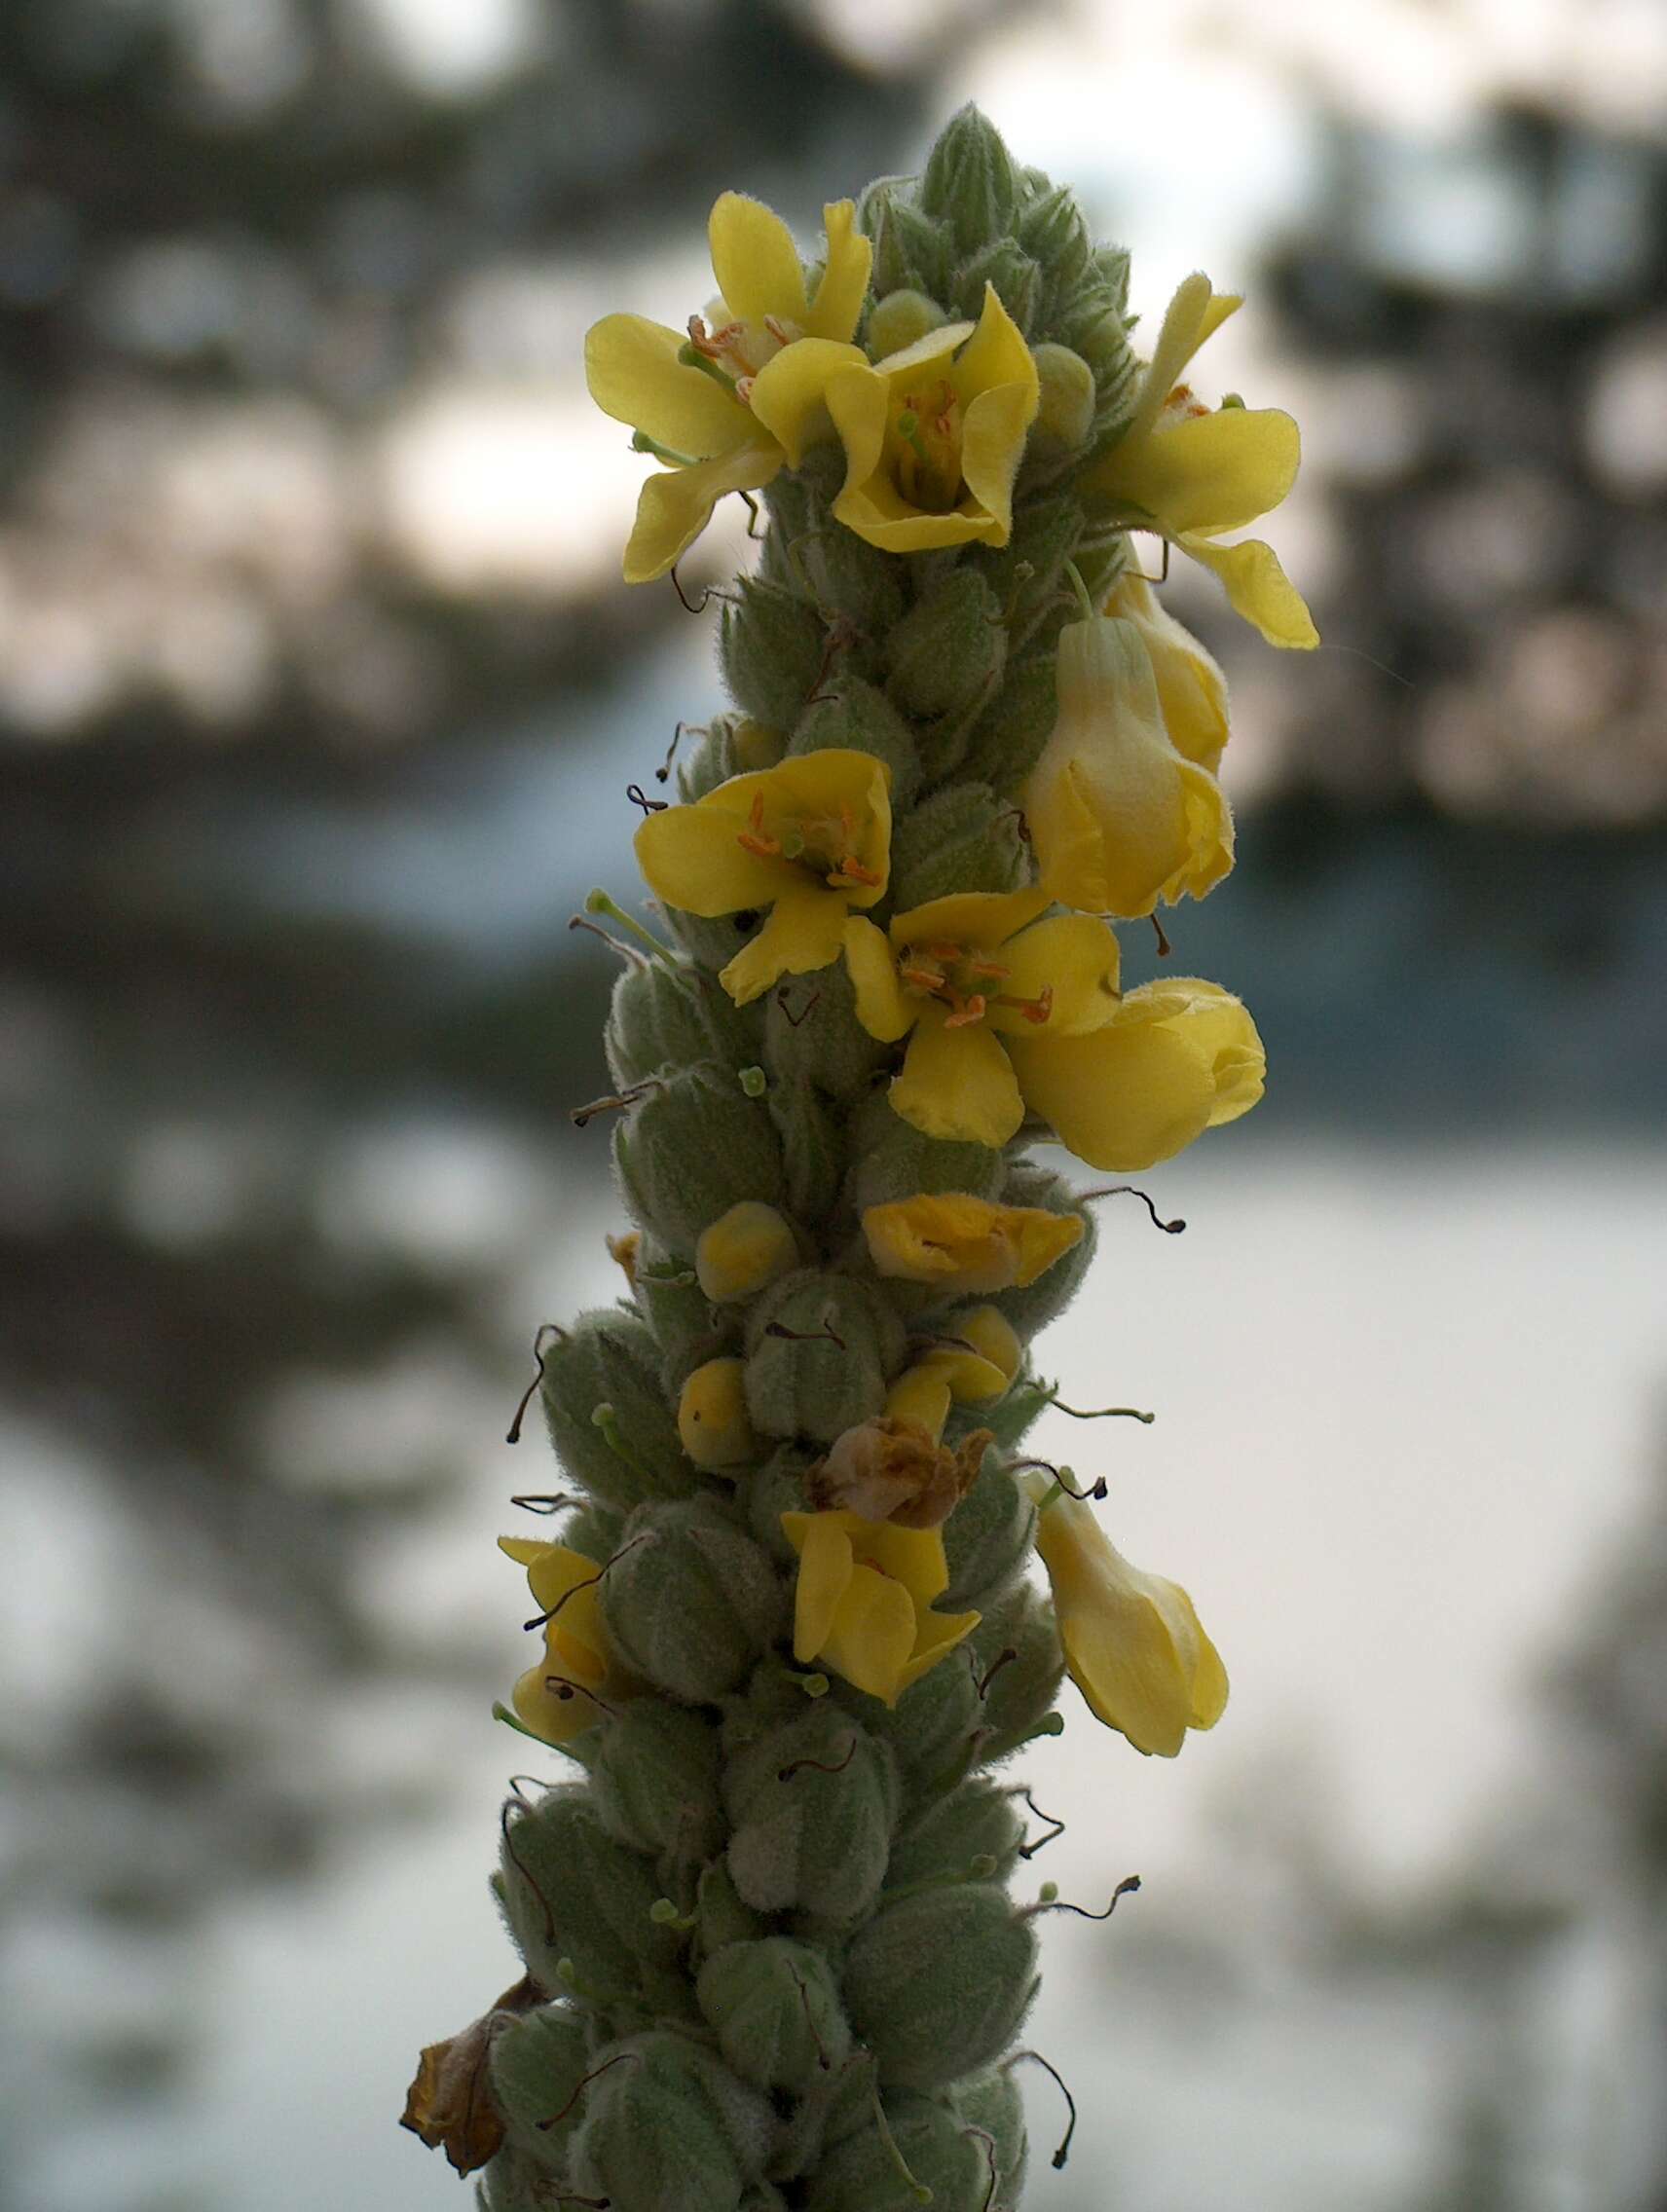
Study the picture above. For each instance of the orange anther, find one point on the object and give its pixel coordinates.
(966, 1009)
(752, 839)
(991, 969)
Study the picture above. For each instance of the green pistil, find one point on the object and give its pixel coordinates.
(692, 357)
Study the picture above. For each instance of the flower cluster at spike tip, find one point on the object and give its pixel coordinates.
(785, 1627)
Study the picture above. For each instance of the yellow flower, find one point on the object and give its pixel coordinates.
(965, 978)
(756, 399)
(976, 1366)
(712, 1418)
(864, 1596)
(955, 1242)
(1191, 692)
(1132, 1642)
(810, 839)
(1118, 817)
(743, 1250)
(567, 1691)
(1177, 1057)
(1192, 473)
(933, 435)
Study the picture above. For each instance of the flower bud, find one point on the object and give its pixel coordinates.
(938, 2153)
(811, 1033)
(691, 1600)
(744, 1248)
(537, 2063)
(691, 1147)
(899, 319)
(931, 1725)
(1030, 1306)
(676, 1308)
(937, 1984)
(653, 1780)
(607, 1361)
(1052, 227)
(729, 745)
(987, 1538)
(969, 181)
(955, 1243)
(1015, 277)
(812, 1802)
(819, 1349)
(772, 1490)
(892, 1159)
(712, 1418)
(962, 838)
(770, 646)
(1018, 1694)
(668, 2123)
(665, 1015)
(913, 251)
(975, 1822)
(947, 651)
(851, 715)
(813, 1143)
(1010, 735)
(720, 1916)
(774, 2006)
(1065, 413)
(571, 1892)
(991, 2102)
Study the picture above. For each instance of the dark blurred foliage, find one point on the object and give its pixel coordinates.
(233, 236)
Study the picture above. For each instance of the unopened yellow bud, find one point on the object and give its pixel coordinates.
(743, 1250)
(712, 1417)
(899, 319)
(922, 1395)
(1068, 398)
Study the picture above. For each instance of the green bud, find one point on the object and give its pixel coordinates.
(685, 1327)
(930, 1729)
(853, 715)
(772, 1490)
(1052, 230)
(969, 181)
(720, 1917)
(1096, 329)
(1027, 574)
(812, 1802)
(655, 1781)
(571, 1892)
(665, 1016)
(987, 1538)
(1067, 411)
(1031, 1308)
(899, 319)
(537, 2063)
(1020, 1695)
(947, 651)
(924, 2146)
(820, 1350)
(962, 838)
(774, 2006)
(610, 1358)
(1110, 269)
(813, 1146)
(992, 2101)
(514, 2181)
(731, 745)
(691, 1147)
(1015, 278)
(913, 251)
(689, 1599)
(1009, 736)
(811, 1031)
(937, 1984)
(668, 2125)
(891, 1159)
(770, 646)
(975, 1822)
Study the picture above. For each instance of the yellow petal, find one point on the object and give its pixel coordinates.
(824, 1566)
(913, 1557)
(754, 260)
(995, 355)
(992, 446)
(953, 1241)
(1217, 1024)
(1258, 589)
(856, 401)
(789, 392)
(556, 1575)
(882, 1008)
(1193, 314)
(747, 1247)
(1191, 692)
(872, 1638)
(837, 307)
(932, 345)
(676, 505)
(921, 1395)
(877, 512)
(691, 858)
(1129, 1095)
(957, 1085)
(983, 919)
(815, 783)
(1211, 472)
(1073, 956)
(545, 1712)
(634, 375)
(804, 932)
(937, 1635)
(985, 1369)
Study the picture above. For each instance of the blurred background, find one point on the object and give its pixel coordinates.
(317, 701)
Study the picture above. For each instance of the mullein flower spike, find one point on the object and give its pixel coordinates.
(785, 1622)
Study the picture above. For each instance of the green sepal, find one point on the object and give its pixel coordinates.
(1011, 734)
(1020, 1695)
(1033, 1307)
(939, 1844)
(513, 2181)
(820, 1350)
(811, 1030)
(571, 1892)
(1052, 229)
(1017, 280)
(970, 181)
(930, 1729)
(668, 2125)
(1027, 574)
(936, 1984)
(987, 1538)
(774, 2007)
(891, 1159)
(992, 2101)
(812, 1143)
(939, 2154)
(962, 838)
(852, 714)
(812, 1801)
(537, 2063)
(913, 251)
(720, 1915)
(689, 1599)
(772, 1490)
(609, 1358)
(686, 1326)
(654, 1782)
(664, 1016)
(770, 646)
(729, 745)
(946, 654)
(691, 1147)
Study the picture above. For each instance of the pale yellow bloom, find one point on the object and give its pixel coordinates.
(578, 1678)
(1192, 473)
(974, 1370)
(809, 839)
(732, 424)
(967, 977)
(933, 435)
(713, 1422)
(1118, 817)
(1133, 1642)
(862, 1600)
(1191, 692)
(743, 1250)
(958, 1243)
(1178, 1057)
